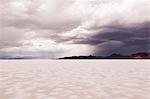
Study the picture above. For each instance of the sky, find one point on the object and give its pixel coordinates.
(58, 28)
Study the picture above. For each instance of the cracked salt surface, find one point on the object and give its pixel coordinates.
(55, 79)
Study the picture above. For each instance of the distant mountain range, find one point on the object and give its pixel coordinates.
(25, 55)
(143, 55)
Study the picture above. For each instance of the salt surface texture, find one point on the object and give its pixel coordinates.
(79, 79)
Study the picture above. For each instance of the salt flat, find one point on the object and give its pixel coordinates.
(75, 79)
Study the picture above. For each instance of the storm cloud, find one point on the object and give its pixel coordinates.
(98, 27)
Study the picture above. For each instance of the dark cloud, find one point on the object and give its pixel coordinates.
(137, 40)
(107, 48)
(96, 26)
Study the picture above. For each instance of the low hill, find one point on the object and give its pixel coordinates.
(143, 55)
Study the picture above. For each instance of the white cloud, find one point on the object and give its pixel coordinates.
(54, 24)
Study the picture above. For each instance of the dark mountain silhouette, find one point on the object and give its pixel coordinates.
(143, 55)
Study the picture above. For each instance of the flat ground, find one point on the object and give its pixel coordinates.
(75, 79)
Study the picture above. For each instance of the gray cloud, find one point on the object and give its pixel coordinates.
(104, 26)
(133, 40)
(54, 15)
(10, 37)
